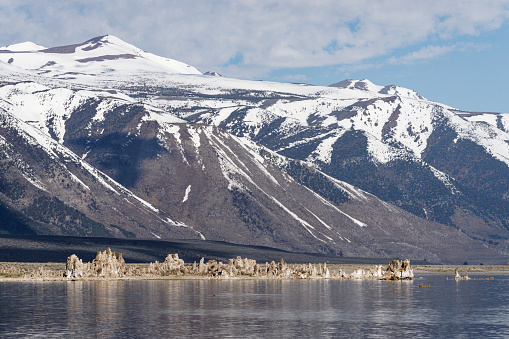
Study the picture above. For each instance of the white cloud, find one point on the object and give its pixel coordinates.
(298, 78)
(268, 34)
(425, 53)
(432, 52)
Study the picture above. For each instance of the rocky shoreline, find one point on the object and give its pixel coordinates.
(108, 266)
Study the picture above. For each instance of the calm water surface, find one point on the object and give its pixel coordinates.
(256, 308)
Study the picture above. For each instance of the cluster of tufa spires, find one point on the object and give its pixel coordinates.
(108, 265)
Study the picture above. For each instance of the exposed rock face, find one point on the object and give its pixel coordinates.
(249, 267)
(374, 273)
(278, 270)
(235, 267)
(227, 157)
(106, 264)
(311, 271)
(398, 270)
(244, 266)
(74, 268)
(171, 265)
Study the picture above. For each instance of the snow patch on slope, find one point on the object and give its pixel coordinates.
(25, 170)
(444, 178)
(174, 130)
(493, 140)
(382, 152)
(186, 193)
(323, 153)
(258, 160)
(304, 223)
(229, 167)
(328, 203)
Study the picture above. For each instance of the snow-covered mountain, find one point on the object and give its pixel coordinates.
(127, 143)
(100, 56)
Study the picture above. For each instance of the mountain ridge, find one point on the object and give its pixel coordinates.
(355, 169)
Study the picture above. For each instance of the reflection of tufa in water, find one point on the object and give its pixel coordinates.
(106, 264)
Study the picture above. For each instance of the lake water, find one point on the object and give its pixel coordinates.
(256, 308)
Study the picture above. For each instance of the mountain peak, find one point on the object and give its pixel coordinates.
(364, 85)
(212, 74)
(23, 47)
(105, 55)
(99, 38)
(84, 145)
(368, 86)
(106, 40)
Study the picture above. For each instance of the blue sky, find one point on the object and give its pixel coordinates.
(451, 51)
(475, 77)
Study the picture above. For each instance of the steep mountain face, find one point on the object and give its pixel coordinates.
(424, 157)
(101, 138)
(47, 189)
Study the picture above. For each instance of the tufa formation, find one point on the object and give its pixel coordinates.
(108, 265)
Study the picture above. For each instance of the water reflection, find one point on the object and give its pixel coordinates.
(254, 308)
(236, 308)
(103, 305)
